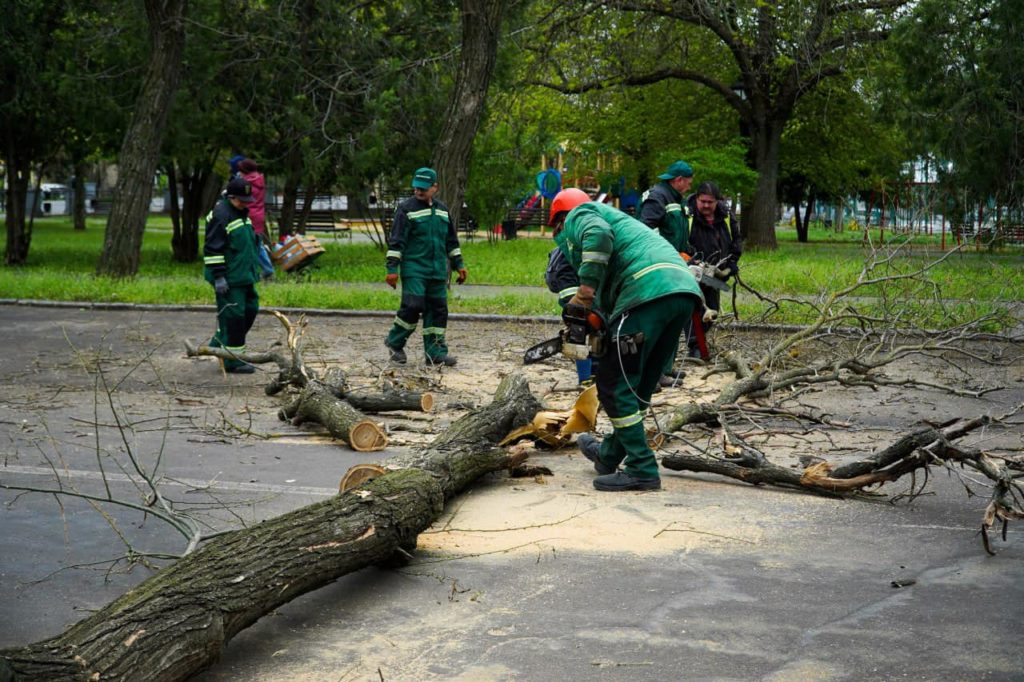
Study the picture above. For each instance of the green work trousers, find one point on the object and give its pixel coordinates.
(639, 344)
(236, 311)
(426, 298)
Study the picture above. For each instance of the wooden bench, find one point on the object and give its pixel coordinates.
(325, 221)
(318, 221)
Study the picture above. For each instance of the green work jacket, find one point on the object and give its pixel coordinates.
(626, 262)
(230, 249)
(423, 241)
(661, 208)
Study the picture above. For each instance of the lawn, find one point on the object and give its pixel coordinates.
(62, 263)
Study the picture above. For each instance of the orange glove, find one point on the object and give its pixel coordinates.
(463, 274)
(392, 279)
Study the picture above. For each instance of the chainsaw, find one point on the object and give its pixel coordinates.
(704, 273)
(582, 337)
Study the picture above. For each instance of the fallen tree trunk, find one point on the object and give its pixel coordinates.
(176, 623)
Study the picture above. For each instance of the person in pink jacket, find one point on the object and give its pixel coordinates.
(257, 209)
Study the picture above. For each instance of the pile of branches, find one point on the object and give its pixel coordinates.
(326, 399)
(858, 335)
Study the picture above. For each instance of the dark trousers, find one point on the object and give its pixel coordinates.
(628, 374)
(426, 298)
(236, 311)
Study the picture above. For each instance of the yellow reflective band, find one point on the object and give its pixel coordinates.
(443, 214)
(673, 208)
(658, 266)
(437, 331)
(568, 292)
(405, 325)
(235, 349)
(213, 260)
(628, 420)
(454, 252)
(422, 213)
(595, 257)
(395, 254)
(235, 224)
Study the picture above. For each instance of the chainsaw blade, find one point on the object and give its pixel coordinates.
(543, 350)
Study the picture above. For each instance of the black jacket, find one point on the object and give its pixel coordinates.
(715, 243)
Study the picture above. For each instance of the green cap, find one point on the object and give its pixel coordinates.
(424, 178)
(676, 170)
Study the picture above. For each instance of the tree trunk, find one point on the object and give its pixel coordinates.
(78, 191)
(198, 194)
(318, 403)
(177, 622)
(390, 400)
(481, 23)
(801, 224)
(19, 233)
(137, 160)
(759, 215)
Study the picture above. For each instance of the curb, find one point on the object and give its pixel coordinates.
(384, 314)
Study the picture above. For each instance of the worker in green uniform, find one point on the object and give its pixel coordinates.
(641, 283)
(231, 260)
(422, 245)
(663, 208)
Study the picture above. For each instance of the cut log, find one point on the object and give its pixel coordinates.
(389, 401)
(175, 624)
(317, 403)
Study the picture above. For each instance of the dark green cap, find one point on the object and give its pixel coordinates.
(424, 178)
(676, 170)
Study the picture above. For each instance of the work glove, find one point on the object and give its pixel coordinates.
(710, 314)
(220, 285)
(723, 273)
(463, 274)
(392, 279)
(584, 296)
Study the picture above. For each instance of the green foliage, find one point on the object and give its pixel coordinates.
(963, 92)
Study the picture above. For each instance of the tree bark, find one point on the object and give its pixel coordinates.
(176, 623)
(481, 23)
(389, 401)
(760, 215)
(137, 160)
(78, 194)
(319, 404)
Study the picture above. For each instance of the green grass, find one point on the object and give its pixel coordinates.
(62, 263)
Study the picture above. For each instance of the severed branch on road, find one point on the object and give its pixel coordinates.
(177, 622)
(858, 336)
(325, 399)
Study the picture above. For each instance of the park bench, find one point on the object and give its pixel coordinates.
(323, 221)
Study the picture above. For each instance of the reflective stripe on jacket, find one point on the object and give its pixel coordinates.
(661, 208)
(423, 241)
(626, 262)
(230, 249)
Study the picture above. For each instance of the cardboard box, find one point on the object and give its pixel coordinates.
(299, 251)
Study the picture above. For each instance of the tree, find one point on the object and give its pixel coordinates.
(140, 150)
(961, 95)
(29, 110)
(778, 52)
(481, 26)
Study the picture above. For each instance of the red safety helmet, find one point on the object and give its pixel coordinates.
(565, 201)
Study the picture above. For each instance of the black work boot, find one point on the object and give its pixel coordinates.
(671, 380)
(446, 360)
(240, 369)
(396, 355)
(590, 446)
(620, 480)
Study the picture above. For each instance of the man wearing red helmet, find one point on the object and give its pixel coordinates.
(640, 282)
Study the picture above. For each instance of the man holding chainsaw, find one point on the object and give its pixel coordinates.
(715, 249)
(640, 282)
(423, 243)
(662, 209)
